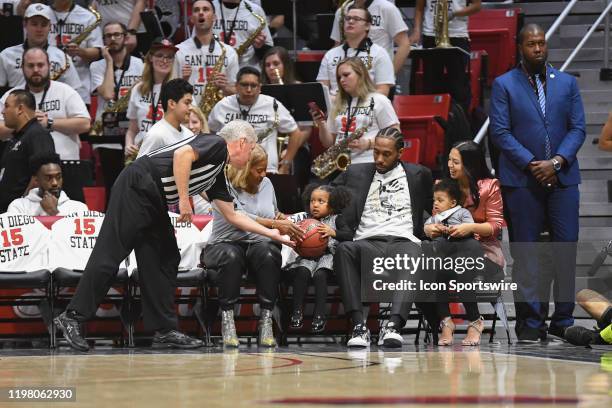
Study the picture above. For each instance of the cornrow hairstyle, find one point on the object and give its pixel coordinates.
(393, 134)
(450, 187)
(339, 197)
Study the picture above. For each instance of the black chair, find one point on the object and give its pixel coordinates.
(40, 279)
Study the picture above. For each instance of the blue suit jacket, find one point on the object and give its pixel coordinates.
(518, 126)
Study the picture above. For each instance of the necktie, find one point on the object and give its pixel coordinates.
(542, 101)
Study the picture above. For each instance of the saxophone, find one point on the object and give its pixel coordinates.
(81, 37)
(56, 75)
(120, 105)
(441, 24)
(249, 41)
(275, 124)
(338, 156)
(212, 94)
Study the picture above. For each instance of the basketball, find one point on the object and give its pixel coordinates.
(313, 245)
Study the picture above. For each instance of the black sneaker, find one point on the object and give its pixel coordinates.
(297, 319)
(318, 323)
(175, 339)
(360, 337)
(72, 331)
(528, 336)
(390, 336)
(557, 331)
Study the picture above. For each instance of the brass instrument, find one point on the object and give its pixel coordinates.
(249, 41)
(441, 24)
(56, 75)
(212, 94)
(275, 124)
(338, 156)
(120, 105)
(81, 37)
(279, 78)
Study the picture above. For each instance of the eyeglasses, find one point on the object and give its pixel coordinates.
(348, 19)
(111, 36)
(248, 85)
(164, 57)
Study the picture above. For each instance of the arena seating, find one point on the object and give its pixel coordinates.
(495, 31)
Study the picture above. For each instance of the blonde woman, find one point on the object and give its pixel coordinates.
(233, 252)
(144, 108)
(357, 105)
(197, 121)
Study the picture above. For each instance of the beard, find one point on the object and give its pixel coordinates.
(116, 49)
(37, 82)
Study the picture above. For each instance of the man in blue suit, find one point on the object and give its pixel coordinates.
(537, 122)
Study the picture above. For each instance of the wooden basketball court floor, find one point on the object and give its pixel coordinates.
(494, 375)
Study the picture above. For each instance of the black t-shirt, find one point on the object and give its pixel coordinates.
(206, 173)
(31, 140)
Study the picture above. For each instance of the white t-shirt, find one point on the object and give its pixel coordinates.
(75, 22)
(361, 114)
(387, 209)
(26, 244)
(387, 22)
(140, 108)
(60, 101)
(261, 116)
(244, 24)
(381, 70)
(457, 27)
(12, 75)
(117, 10)
(202, 63)
(129, 78)
(162, 134)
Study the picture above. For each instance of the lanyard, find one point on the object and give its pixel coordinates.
(60, 24)
(44, 96)
(123, 68)
(226, 38)
(244, 112)
(154, 106)
(349, 117)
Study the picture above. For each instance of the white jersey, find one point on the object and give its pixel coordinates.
(117, 10)
(261, 115)
(240, 24)
(24, 243)
(67, 25)
(387, 22)
(126, 77)
(162, 134)
(59, 101)
(457, 27)
(73, 238)
(141, 107)
(344, 123)
(381, 66)
(202, 63)
(12, 75)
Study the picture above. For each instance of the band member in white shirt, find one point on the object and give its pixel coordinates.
(357, 106)
(127, 12)
(267, 115)
(357, 24)
(114, 75)
(37, 25)
(68, 21)
(144, 108)
(388, 28)
(59, 108)
(237, 20)
(197, 56)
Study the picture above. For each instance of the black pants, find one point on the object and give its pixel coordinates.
(352, 259)
(458, 79)
(137, 219)
(299, 278)
(232, 259)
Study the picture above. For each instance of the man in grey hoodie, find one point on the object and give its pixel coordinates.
(48, 198)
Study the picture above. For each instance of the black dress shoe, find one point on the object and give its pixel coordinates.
(72, 331)
(297, 319)
(318, 323)
(528, 336)
(175, 339)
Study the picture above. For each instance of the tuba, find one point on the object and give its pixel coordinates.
(212, 94)
(81, 37)
(242, 48)
(441, 24)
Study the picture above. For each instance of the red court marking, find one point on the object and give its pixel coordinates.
(427, 399)
(290, 362)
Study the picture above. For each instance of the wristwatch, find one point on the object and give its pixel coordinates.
(556, 164)
(49, 123)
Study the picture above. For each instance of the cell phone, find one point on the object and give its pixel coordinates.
(7, 9)
(313, 106)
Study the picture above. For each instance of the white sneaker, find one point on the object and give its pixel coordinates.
(390, 337)
(360, 337)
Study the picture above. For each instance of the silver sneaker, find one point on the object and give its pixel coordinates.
(266, 332)
(228, 330)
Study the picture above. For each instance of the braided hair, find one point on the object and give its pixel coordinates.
(393, 134)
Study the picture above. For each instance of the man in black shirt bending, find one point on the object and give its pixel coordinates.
(137, 218)
(28, 140)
